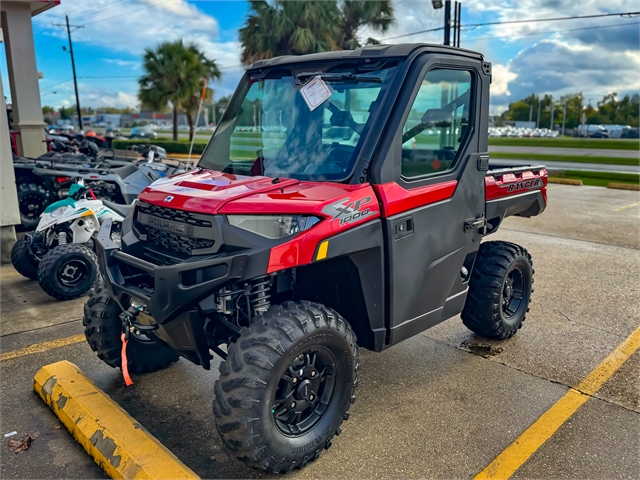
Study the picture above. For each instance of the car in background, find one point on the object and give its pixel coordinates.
(142, 132)
(599, 134)
(114, 131)
(341, 135)
(630, 133)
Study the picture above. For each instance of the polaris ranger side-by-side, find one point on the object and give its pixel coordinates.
(283, 249)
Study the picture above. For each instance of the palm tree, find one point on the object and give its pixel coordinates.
(174, 77)
(376, 16)
(295, 28)
(289, 28)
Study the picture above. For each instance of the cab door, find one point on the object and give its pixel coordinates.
(434, 207)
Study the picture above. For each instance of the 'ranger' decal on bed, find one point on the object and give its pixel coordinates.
(524, 185)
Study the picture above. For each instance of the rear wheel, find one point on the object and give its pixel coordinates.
(499, 290)
(103, 327)
(286, 386)
(23, 260)
(68, 271)
(32, 200)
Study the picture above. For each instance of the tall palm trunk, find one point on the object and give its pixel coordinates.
(175, 124)
(191, 126)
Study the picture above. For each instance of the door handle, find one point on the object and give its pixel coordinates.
(472, 224)
(403, 227)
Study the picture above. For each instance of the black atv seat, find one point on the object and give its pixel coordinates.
(124, 172)
(118, 208)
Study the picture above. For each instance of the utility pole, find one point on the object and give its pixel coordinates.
(564, 116)
(456, 38)
(552, 111)
(530, 111)
(539, 106)
(447, 22)
(73, 65)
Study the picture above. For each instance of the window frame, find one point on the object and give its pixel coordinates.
(425, 64)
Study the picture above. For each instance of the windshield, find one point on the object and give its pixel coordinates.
(269, 129)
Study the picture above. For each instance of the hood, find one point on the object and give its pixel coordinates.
(211, 192)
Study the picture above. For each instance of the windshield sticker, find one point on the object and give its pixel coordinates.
(315, 93)
(347, 211)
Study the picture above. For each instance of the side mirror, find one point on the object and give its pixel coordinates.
(437, 117)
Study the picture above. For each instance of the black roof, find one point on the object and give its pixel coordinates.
(374, 51)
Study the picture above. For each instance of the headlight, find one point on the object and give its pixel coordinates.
(273, 226)
(58, 212)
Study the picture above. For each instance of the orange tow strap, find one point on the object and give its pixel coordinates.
(125, 364)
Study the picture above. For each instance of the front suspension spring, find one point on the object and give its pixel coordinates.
(260, 295)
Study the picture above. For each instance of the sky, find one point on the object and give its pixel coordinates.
(595, 56)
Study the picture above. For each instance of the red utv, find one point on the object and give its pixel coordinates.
(285, 251)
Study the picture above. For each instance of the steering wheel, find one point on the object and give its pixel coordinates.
(340, 155)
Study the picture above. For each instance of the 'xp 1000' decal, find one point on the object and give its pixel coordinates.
(348, 211)
(524, 185)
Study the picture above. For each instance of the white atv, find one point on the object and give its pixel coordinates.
(59, 253)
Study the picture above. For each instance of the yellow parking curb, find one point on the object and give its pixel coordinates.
(624, 186)
(565, 181)
(117, 443)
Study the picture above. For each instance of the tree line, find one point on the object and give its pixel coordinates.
(610, 110)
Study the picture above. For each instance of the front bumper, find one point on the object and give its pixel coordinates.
(175, 287)
(172, 294)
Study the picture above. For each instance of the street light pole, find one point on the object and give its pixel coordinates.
(552, 112)
(564, 116)
(539, 106)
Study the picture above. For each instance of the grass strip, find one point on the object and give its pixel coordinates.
(566, 158)
(568, 142)
(597, 179)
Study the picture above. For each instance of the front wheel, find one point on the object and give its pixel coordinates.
(68, 271)
(23, 260)
(286, 386)
(499, 290)
(102, 328)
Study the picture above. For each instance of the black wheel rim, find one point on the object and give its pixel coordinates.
(32, 205)
(73, 272)
(513, 293)
(304, 392)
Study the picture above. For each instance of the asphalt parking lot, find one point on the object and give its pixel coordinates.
(443, 404)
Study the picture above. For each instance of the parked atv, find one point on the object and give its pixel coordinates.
(43, 180)
(283, 252)
(59, 253)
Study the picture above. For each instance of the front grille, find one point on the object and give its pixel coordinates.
(178, 231)
(174, 215)
(173, 241)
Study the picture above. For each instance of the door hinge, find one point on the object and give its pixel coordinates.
(471, 224)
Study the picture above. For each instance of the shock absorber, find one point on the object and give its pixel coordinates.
(260, 295)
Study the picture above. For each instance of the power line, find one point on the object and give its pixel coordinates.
(554, 31)
(575, 17)
(555, 19)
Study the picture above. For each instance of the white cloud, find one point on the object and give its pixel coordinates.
(558, 67)
(500, 79)
(131, 26)
(135, 25)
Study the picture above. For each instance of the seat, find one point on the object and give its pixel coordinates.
(118, 208)
(124, 172)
